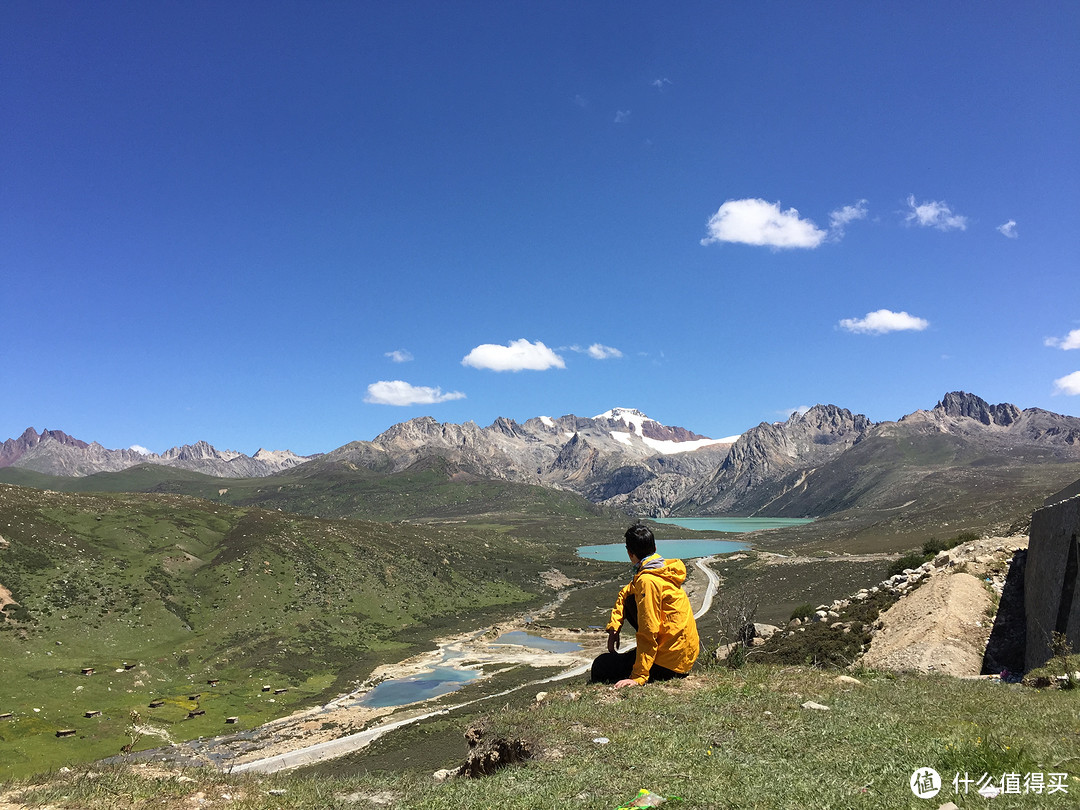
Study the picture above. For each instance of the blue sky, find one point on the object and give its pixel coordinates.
(260, 224)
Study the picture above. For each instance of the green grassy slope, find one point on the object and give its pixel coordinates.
(432, 489)
(189, 590)
(719, 740)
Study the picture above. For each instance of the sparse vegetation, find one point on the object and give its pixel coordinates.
(930, 549)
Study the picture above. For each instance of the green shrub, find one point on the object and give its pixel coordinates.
(817, 646)
(804, 611)
(912, 560)
(736, 659)
(933, 546)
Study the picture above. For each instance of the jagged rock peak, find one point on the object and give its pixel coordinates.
(12, 449)
(199, 451)
(961, 404)
(832, 418)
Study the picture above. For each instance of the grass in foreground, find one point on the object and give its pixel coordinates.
(721, 739)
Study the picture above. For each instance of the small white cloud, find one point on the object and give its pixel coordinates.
(934, 214)
(599, 351)
(1008, 229)
(622, 116)
(1070, 341)
(398, 392)
(138, 448)
(400, 355)
(842, 217)
(659, 83)
(581, 101)
(882, 321)
(789, 412)
(757, 222)
(1069, 384)
(520, 355)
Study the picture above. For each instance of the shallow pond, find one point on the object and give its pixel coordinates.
(521, 638)
(428, 684)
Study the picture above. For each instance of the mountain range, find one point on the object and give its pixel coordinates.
(54, 452)
(817, 462)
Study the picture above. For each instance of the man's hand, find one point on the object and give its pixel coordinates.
(613, 640)
(626, 682)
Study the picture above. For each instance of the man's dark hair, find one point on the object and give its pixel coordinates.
(640, 541)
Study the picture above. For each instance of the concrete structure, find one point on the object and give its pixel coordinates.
(1052, 580)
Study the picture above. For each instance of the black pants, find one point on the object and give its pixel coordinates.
(614, 667)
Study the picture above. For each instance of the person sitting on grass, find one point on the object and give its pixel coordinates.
(657, 607)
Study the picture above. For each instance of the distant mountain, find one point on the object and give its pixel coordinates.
(621, 456)
(769, 459)
(827, 461)
(53, 452)
(982, 458)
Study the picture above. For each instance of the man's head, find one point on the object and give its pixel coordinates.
(640, 541)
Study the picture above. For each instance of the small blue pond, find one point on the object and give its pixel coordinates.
(522, 639)
(429, 684)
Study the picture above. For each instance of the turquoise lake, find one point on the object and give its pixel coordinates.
(689, 549)
(732, 524)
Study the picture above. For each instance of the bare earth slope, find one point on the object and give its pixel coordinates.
(943, 626)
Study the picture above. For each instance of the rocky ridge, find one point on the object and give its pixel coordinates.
(53, 452)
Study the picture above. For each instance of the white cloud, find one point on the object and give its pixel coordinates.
(1008, 229)
(622, 116)
(1070, 341)
(1069, 384)
(581, 101)
(598, 351)
(400, 355)
(934, 214)
(659, 83)
(518, 356)
(882, 321)
(138, 448)
(757, 222)
(842, 217)
(789, 412)
(397, 392)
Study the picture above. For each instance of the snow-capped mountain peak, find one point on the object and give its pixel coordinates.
(631, 416)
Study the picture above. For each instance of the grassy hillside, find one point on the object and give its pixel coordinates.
(892, 493)
(185, 590)
(432, 489)
(721, 739)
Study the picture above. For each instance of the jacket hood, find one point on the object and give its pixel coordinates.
(673, 571)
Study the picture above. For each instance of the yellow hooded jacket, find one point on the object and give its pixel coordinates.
(667, 633)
